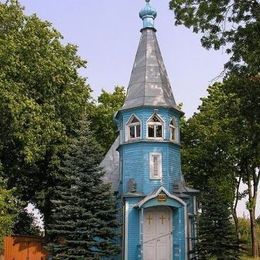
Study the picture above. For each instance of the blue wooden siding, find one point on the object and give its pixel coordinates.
(144, 113)
(133, 236)
(136, 165)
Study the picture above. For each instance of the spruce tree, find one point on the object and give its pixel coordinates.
(83, 221)
(216, 232)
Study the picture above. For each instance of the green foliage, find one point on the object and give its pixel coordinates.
(209, 164)
(42, 99)
(258, 221)
(207, 147)
(245, 234)
(102, 115)
(222, 140)
(216, 234)
(244, 229)
(83, 221)
(8, 210)
(25, 224)
(234, 24)
(243, 109)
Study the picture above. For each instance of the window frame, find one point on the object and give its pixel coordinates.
(151, 166)
(175, 127)
(135, 124)
(155, 124)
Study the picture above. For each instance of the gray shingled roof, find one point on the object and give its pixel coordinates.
(110, 165)
(149, 84)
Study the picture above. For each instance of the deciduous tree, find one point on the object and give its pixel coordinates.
(8, 210)
(231, 24)
(42, 98)
(209, 164)
(221, 141)
(235, 26)
(243, 109)
(102, 115)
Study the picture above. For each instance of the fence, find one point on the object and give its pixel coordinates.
(24, 248)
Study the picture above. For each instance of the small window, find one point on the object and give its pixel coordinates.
(173, 130)
(134, 128)
(155, 127)
(155, 165)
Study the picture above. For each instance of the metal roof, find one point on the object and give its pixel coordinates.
(149, 84)
(110, 165)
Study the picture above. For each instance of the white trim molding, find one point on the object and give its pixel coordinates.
(127, 128)
(154, 195)
(155, 166)
(162, 123)
(126, 230)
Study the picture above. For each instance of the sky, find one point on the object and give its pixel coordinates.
(107, 34)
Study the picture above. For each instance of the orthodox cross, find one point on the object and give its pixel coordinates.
(149, 219)
(162, 218)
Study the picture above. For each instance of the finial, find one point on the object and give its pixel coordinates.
(148, 14)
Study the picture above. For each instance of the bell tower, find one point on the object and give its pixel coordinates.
(158, 209)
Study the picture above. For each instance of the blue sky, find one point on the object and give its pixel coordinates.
(107, 34)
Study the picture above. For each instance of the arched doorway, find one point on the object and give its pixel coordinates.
(157, 237)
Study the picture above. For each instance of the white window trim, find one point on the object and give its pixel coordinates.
(127, 128)
(175, 127)
(155, 123)
(151, 166)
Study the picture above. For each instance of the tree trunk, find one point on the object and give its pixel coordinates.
(253, 233)
(252, 193)
(234, 207)
(235, 218)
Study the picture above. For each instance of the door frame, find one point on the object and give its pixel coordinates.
(179, 208)
(142, 228)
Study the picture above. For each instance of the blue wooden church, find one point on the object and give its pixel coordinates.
(144, 165)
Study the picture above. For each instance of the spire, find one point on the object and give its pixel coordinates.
(148, 14)
(149, 84)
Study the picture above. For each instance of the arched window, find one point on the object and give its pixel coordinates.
(173, 130)
(155, 127)
(134, 128)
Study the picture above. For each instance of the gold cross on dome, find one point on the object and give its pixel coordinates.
(149, 219)
(162, 218)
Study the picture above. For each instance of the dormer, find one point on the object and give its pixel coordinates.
(155, 127)
(133, 128)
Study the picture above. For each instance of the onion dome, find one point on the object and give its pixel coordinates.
(148, 14)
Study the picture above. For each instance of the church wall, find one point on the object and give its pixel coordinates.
(179, 238)
(132, 239)
(136, 165)
(135, 153)
(174, 162)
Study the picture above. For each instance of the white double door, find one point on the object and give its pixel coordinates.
(157, 240)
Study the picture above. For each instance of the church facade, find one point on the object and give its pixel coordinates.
(158, 210)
